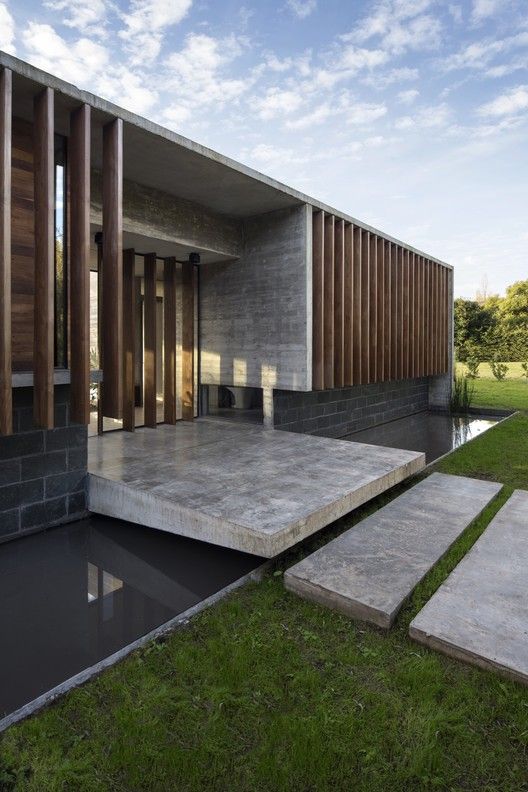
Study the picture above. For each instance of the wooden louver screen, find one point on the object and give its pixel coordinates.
(380, 311)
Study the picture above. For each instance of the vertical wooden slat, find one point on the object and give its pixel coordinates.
(79, 259)
(387, 322)
(187, 341)
(373, 309)
(348, 307)
(150, 341)
(328, 257)
(112, 295)
(6, 399)
(396, 319)
(412, 315)
(406, 304)
(169, 340)
(129, 340)
(445, 279)
(430, 316)
(356, 316)
(339, 301)
(420, 328)
(318, 302)
(434, 305)
(438, 317)
(380, 308)
(365, 320)
(44, 347)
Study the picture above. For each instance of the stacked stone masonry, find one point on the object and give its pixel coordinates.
(42, 473)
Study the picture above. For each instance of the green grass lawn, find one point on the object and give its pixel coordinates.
(267, 692)
(511, 393)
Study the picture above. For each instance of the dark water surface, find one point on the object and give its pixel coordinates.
(76, 594)
(434, 433)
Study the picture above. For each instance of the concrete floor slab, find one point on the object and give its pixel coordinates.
(480, 613)
(244, 487)
(370, 570)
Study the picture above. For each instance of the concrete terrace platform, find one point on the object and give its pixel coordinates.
(480, 613)
(244, 487)
(370, 570)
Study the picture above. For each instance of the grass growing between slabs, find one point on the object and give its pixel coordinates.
(510, 393)
(267, 692)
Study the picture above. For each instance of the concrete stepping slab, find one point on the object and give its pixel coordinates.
(370, 570)
(480, 613)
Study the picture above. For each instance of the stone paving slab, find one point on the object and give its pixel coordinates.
(480, 613)
(245, 487)
(370, 570)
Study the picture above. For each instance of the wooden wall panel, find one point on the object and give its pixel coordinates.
(187, 341)
(339, 302)
(328, 259)
(112, 290)
(373, 308)
(44, 341)
(150, 341)
(169, 340)
(318, 302)
(79, 259)
(380, 310)
(357, 305)
(129, 340)
(348, 306)
(6, 402)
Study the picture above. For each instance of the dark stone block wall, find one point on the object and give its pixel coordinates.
(337, 412)
(42, 473)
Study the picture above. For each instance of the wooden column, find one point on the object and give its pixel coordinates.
(169, 340)
(149, 331)
(318, 303)
(387, 319)
(112, 289)
(365, 322)
(373, 309)
(187, 341)
(356, 306)
(79, 162)
(6, 404)
(380, 303)
(129, 340)
(44, 335)
(348, 307)
(395, 278)
(328, 257)
(339, 301)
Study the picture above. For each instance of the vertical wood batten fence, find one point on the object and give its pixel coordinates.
(6, 408)
(380, 310)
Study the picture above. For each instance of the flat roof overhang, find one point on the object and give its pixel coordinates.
(159, 158)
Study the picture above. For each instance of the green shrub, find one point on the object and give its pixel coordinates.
(524, 367)
(472, 364)
(499, 370)
(462, 395)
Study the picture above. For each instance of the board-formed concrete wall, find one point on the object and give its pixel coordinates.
(153, 213)
(256, 312)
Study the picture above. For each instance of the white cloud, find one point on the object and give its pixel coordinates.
(479, 54)
(89, 17)
(302, 8)
(365, 112)
(400, 25)
(408, 97)
(510, 103)
(145, 24)
(7, 30)
(434, 116)
(316, 116)
(482, 9)
(276, 102)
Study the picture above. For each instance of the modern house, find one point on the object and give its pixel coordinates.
(147, 280)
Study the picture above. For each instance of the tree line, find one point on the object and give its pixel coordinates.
(492, 327)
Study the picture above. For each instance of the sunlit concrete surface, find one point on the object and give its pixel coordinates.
(370, 570)
(480, 614)
(244, 487)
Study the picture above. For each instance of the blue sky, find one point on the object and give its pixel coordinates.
(411, 115)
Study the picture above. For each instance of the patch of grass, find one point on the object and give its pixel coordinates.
(267, 692)
(511, 393)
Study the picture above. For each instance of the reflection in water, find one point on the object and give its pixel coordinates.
(434, 433)
(77, 594)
